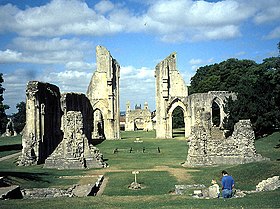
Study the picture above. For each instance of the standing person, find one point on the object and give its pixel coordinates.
(227, 185)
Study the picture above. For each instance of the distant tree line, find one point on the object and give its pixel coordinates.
(3, 116)
(18, 118)
(257, 87)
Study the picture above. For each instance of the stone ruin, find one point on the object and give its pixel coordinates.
(205, 149)
(42, 132)
(172, 92)
(138, 119)
(10, 129)
(203, 117)
(61, 128)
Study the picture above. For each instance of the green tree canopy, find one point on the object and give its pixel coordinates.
(257, 87)
(3, 116)
(19, 118)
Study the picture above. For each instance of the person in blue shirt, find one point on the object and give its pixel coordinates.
(227, 185)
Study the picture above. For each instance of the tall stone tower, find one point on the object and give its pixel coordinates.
(103, 93)
(171, 91)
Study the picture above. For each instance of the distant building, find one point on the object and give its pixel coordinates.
(138, 119)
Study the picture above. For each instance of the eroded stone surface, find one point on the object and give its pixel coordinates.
(42, 131)
(75, 151)
(237, 149)
(103, 93)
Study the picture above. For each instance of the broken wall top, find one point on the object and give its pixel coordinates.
(103, 81)
(169, 80)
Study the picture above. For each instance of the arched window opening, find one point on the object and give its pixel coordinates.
(138, 124)
(178, 123)
(98, 125)
(216, 114)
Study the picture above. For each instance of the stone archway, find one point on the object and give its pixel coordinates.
(217, 112)
(98, 125)
(175, 104)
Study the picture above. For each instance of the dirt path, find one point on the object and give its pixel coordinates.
(10, 156)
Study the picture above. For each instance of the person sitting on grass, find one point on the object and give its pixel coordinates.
(227, 185)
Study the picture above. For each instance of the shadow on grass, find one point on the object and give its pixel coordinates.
(10, 147)
(97, 141)
(9, 176)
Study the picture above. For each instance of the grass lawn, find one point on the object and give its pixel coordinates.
(10, 145)
(159, 164)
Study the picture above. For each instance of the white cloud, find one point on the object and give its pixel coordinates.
(192, 21)
(195, 61)
(268, 11)
(53, 44)
(15, 85)
(275, 33)
(68, 80)
(46, 51)
(104, 6)
(80, 66)
(9, 56)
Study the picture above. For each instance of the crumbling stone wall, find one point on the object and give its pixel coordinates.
(42, 131)
(172, 92)
(75, 151)
(236, 149)
(103, 93)
(138, 119)
(78, 102)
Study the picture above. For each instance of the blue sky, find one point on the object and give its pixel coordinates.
(54, 41)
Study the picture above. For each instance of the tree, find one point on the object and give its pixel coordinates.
(257, 87)
(3, 116)
(19, 118)
(178, 118)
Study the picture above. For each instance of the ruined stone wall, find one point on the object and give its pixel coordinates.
(237, 149)
(172, 92)
(204, 101)
(42, 131)
(169, 85)
(75, 151)
(103, 92)
(78, 102)
(138, 119)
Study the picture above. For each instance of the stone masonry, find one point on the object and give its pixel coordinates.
(42, 132)
(138, 119)
(103, 93)
(172, 92)
(61, 128)
(236, 149)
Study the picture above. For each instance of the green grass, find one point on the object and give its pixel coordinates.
(159, 172)
(10, 145)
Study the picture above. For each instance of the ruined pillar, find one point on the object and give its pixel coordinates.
(103, 92)
(169, 86)
(42, 130)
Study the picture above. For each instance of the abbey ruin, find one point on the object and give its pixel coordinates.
(203, 117)
(61, 128)
(138, 119)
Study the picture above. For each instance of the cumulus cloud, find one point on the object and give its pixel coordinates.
(192, 21)
(104, 6)
(68, 80)
(46, 51)
(9, 56)
(275, 33)
(136, 84)
(15, 84)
